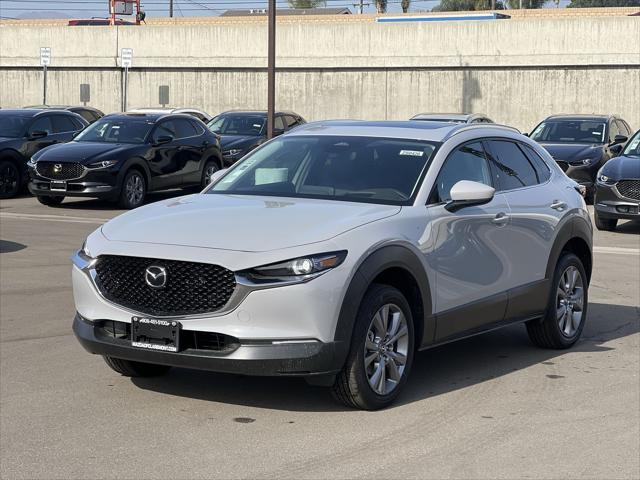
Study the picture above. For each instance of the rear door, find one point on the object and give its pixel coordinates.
(165, 165)
(537, 205)
(470, 256)
(191, 146)
(42, 123)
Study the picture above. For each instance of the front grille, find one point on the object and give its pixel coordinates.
(190, 288)
(59, 171)
(629, 188)
(189, 339)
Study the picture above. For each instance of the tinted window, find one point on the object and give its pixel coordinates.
(165, 129)
(12, 126)
(542, 169)
(235, 124)
(117, 130)
(77, 123)
(42, 124)
(570, 131)
(623, 128)
(199, 129)
(63, 123)
(468, 162)
(183, 128)
(512, 168)
(353, 169)
(291, 121)
(87, 115)
(278, 123)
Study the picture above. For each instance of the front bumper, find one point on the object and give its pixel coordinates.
(269, 358)
(99, 183)
(609, 204)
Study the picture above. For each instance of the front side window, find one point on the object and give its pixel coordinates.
(511, 166)
(13, 126)
(117, 130)
(246, 125)
(354, 169)
(42, 124)
(570, 131)
(468, 162)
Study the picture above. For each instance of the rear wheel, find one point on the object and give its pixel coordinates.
(209, 169)
(608, 224)
(134, 190)
(10, 179)
(566, 314)
(130, 368)
(49, 200)
(381, 352)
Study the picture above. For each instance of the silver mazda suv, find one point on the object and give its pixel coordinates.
(336, 252)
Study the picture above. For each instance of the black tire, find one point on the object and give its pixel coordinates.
(10, 179)
(129, 368)
(49, 200)
(352, 386)
(209, 169)
(607, 224)
(133, 180)
(547, 332)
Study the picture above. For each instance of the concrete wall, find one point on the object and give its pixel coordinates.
(517, 71)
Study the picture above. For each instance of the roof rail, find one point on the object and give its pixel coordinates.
(465, 128)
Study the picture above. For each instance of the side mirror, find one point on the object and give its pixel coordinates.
(38, 134)
(162, 139)
(217, 175)
(619, 139)
(466, 193)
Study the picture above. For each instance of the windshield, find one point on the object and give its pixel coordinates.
(13, 126)
(355, 169)
(633, 147)
(117, 130)
(248, 125)
(570, 131)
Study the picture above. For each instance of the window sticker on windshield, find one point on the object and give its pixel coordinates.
(634, 144)
(412, 153)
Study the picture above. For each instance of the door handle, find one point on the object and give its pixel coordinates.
(500, 219)
(558, 205)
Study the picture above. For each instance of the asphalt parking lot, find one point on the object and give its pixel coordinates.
(492, 406)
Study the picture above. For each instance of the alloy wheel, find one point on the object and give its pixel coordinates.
(386, 349)
(134, 189)
(9, 178)
(570, 301)
(208, 173)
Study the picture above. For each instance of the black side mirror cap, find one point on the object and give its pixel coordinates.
(618, 139)
(38, 134)
(161, 140)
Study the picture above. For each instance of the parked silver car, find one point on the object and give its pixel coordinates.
(336, 251)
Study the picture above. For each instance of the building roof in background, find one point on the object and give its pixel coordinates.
(286, 11)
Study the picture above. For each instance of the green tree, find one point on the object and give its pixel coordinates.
(466, 5)
(405, 4)
(306, 3)
(526, 3)
(604, 3)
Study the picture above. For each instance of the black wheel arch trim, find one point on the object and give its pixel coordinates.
(135, 162)
(377, 262)
(573, 227)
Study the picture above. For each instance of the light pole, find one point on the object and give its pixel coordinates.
(271, 69)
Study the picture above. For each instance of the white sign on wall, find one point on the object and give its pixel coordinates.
(45, 56)
(126, 57)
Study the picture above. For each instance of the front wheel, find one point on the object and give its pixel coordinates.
(49, 200)
(134, 190)
(381, 351)
(129, 368)
(564, 321)
(10, 179)
(207, 173)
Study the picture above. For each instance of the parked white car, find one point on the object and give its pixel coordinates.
(337, 251)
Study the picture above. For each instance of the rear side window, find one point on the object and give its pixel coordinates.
(468, 162)
(63, 124)
(198, 128)
(291, 121)
(511, 167)
(87, 115)
(183, 128)
(541, 167)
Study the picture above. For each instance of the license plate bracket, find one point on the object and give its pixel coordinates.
(58, 186)
(155, 334)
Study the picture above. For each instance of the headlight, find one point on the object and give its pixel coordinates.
(603, 179)
(589, 161)
(296, 270)
(232, 153)
(103, 164)
(31, 163)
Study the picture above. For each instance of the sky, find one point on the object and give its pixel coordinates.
(158, 8)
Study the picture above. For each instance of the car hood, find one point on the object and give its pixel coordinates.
(84, 152)
(622, 167)
(228, 142)
(573, 151)
(242, 222)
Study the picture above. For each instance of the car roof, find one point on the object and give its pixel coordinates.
(581, 116)
(62, 107)
(164, 110)
(456, 117)
(153, 116)
(32, 111)
(257, 112)
(406, 129)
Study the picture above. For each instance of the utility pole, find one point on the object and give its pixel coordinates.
(361, 7)
(271, 69)
(493, 4)
(171, 8)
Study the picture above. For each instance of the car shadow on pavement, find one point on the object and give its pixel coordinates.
(9, 247)
(435, 372)
(78, 203)
(628, 227)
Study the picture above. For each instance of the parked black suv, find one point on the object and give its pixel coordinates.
(23, 132)
(242, 131)
(581, 144)
(618, 188)
(122, 156)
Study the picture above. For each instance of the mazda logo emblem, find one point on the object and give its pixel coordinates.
(57, 168)
(155, 276)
